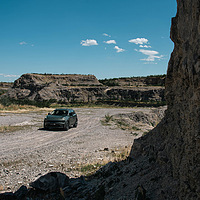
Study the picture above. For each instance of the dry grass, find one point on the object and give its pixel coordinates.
(20, 108)
(5, 129)
(116, 155)
(106, 120)
(120, 123)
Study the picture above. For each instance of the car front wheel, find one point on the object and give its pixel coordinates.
(45, 127)
(66, 126)
(76, 123)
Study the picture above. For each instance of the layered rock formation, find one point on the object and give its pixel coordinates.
(82, 88)
(158, 80)
(32, 80)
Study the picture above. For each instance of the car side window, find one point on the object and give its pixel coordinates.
(73, 112)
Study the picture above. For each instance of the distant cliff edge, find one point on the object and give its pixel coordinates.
(85, 88)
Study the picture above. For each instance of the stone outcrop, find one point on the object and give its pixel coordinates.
(87, 94)
(5, 85)
(29, 81)
(176, 140)
(158, 80)
(82, 88)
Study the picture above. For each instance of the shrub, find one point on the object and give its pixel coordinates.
(6, 101)
(108, 118)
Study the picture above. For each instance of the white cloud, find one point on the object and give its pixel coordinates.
(32, 45)
(146, 63)
(105, 34)
(89, 42)
(21, 43)
(138, 40)
(145, 46)
(9, 75)
(119, 49)
(110, 42)
(151, 55)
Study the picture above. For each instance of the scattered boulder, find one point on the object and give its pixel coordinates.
(52, 181)
(8, 196)
(21, 192)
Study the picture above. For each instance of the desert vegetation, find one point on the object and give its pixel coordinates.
(152, 80)
(9, 103)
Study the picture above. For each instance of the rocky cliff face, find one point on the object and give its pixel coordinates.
(136, 81)
(175, 142)
(83, 88)
(87, 94)
(183, 97)
(29, 81)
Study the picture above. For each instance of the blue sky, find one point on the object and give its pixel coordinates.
(107, 38)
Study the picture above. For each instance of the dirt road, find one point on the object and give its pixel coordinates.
(30, 152)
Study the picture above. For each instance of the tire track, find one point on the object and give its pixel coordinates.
(27, 141)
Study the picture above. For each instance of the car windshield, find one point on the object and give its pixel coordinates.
(59, 112)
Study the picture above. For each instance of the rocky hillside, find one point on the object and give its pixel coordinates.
(82, 88)
(30, 81)
(173, 147)
(5, 85)
(157, 80)
(87, 94)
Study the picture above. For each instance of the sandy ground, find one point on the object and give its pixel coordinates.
(28, 153)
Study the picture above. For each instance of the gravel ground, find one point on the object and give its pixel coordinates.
(30, 152)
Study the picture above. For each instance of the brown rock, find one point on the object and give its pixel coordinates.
(176, 140)
(85, 88)
(1, 188)
(52, 181)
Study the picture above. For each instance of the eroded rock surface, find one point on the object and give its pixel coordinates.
(84, 88)
(177, 138)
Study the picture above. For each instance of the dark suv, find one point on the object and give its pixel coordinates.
(61, 118)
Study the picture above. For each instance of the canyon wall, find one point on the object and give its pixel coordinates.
(175, 142)
(82, 88)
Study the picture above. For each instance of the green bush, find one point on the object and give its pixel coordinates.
(108, 118)
(6, 101)
(2, 92)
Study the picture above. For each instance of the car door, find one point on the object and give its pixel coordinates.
(70, 118)
(73, 117)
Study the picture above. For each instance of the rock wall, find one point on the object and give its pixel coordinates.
(175, 142)
(29, 81)
(59, 87)
(137, 81)
(87, 94)
(183, 97)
